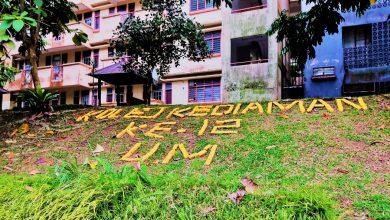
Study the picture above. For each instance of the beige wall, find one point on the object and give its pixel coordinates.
(231, 26)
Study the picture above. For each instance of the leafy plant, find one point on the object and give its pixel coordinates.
(38, 99)
(30, 22)
(163, 38)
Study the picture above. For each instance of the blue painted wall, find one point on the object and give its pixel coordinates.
(330, 53)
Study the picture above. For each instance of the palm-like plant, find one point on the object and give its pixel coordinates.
(38, 99)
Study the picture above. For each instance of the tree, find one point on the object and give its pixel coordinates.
(304, 31)
(29, 22)
(161, 39)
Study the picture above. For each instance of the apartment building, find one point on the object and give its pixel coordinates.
(243, 66)
(355, 61)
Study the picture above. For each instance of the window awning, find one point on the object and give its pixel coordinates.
(115, 75)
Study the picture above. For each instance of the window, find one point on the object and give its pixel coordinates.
(48, 61)
(85, 97)
(62, 98)
(213, 40)
(25, 66)
(64, 58)
(357, 36)
(111, 11)
(111, 52)
(204, 90)
(121, 9)
(88, 18)
(79, 17)
(324, 73)
(76, 97)
(245, 5)
(96, 58)
(97, 20)
(131, 9)
(249, 50)
(121, 93)
(198, 5)
(87, 57)
(157, 91)
(109, 95)
(57, 68)
(94, 97)
(77, 57)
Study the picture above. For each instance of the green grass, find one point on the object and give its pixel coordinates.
(294, 162)
(108, 193)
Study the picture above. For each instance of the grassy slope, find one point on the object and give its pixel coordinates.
(305, 164)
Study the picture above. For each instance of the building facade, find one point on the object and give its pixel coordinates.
(243, 66)
(356, 60)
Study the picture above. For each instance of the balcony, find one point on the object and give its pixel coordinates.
(66, 75)
(110, 23)
(83, 5)
(65, 41)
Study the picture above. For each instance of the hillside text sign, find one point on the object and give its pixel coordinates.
(207, 112)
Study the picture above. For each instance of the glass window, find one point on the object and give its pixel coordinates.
(324, 71)
(64, 58)
(244, 5)
(121, 9)
(204, 90)
(249, 50)
(213, 40)
(357, 36)
(97, 20)
(157, 92)
(87, 57)
(131, 9)
(48, 61)
(77, 57)
(96, 57)
(111, 10)
(76, 97)
(198, 5)
(88, 18)
(109, 95)
(111, 52)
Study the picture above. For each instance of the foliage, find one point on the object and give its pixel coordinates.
(6, 74)
(29, 22)
(303, 32)
(378, 206)
(293, 161)
(71, 192)
(161, 39)
(38, 99)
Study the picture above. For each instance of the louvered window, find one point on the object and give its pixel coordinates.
(205, 90)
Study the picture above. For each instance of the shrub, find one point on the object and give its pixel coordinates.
(38, 99)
